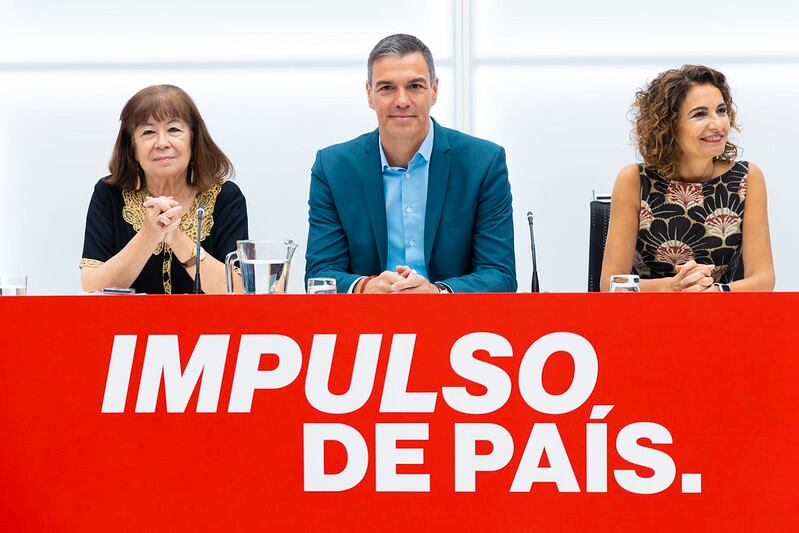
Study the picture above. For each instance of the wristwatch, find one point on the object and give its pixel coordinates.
(442, 288)
(723, 287)
(191, 261)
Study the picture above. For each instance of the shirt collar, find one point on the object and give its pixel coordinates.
(424, 151)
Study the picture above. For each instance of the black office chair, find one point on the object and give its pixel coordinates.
(600, 218)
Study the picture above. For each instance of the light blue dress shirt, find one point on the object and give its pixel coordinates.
(405, 192)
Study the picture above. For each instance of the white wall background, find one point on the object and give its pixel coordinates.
(552, 82)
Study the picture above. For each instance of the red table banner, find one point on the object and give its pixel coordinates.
(519, 412)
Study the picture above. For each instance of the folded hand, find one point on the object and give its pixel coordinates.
(162, 217)
(692, 277)
(412, 282)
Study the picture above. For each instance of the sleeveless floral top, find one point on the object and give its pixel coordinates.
(679, 221)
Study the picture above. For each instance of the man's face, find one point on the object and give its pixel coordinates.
(401, 95)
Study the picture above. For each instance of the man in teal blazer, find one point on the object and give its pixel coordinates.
(411, 206)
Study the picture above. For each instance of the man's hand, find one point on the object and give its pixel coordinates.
(379, 284)
(410, 281)
(404, 280)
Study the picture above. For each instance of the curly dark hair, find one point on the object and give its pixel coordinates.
(656, 113)
(208, 163)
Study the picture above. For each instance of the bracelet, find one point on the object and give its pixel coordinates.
(723, 287)
(366, 280)
(191, 261)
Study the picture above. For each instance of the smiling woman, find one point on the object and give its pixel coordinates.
(141, 226)
(677, 218)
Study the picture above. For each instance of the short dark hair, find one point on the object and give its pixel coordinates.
(399, 45)
(164, 102)
(656, 113)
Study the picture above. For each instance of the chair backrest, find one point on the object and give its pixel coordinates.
(600, 218)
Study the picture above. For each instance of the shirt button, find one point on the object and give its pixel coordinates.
(410, 243)
(409, 209)
(407, 175)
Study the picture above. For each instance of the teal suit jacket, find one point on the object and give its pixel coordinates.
(468, 235)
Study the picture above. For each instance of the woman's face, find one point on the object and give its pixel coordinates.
(703, 125)
(163, 148)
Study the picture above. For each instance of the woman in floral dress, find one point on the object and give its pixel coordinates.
(678, 218)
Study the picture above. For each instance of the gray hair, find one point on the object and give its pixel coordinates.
(400, 45)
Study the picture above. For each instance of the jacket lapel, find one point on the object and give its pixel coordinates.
(437, 179)
(375, 198)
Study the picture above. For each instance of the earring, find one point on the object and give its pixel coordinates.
(189, 175)
(139, 175)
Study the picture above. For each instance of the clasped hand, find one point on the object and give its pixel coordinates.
(692, 277)
(403, 280)
(161, 218)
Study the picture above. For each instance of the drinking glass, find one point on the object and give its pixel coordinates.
(625, 283)
(321, 286)
(13, 285)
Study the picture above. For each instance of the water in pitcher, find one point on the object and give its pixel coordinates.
(261, 276)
